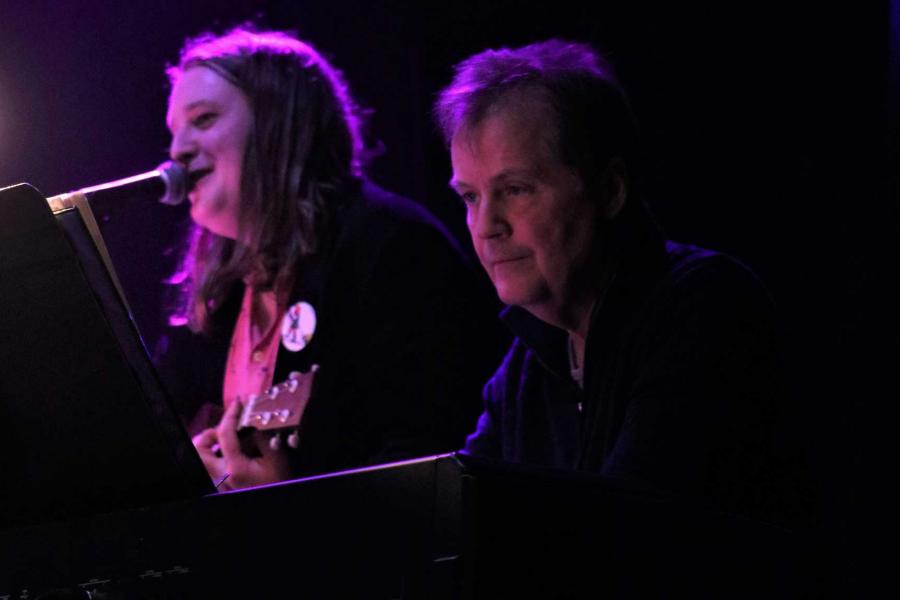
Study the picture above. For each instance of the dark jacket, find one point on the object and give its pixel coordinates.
(682, 384)
(400, 316)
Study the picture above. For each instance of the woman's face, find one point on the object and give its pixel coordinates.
(210, 120)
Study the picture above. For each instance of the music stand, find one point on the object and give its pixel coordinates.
(85, 425)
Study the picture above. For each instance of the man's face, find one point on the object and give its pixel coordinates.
(530, 220)
(210, 120)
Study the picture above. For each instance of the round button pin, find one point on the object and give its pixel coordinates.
(298, 326)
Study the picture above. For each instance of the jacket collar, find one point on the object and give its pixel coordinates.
(640, 257)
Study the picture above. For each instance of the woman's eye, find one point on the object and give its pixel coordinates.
(204, 120)
(467, 197)
(516, 190)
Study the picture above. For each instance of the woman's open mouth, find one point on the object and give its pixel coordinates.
(194, 177)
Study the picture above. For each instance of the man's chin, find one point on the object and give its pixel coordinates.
(537, 303)
(514, 297)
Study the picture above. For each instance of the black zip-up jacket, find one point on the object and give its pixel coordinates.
(683, 386)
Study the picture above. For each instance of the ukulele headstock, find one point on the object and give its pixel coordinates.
(281, 406)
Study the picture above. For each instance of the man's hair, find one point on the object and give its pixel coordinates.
(304, 148)
(594, 122)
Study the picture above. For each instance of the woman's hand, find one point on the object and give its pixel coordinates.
(230, 462)
(207, 444)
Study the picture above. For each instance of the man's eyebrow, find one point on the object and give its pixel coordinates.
(455, 183)
(500, 177)
(511, 173)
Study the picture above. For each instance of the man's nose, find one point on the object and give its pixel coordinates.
(487, 219)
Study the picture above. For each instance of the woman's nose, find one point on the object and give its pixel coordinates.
(183, 148)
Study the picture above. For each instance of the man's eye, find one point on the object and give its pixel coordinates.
(516, 190)
(467, 197)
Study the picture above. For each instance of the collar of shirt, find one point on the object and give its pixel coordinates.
(254, 346)
(546, 341)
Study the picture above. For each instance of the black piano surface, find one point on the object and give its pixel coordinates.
(447, 526)
(364, 533)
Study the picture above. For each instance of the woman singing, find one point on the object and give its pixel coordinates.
(296, 263)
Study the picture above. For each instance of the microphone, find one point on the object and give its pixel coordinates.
(169, 180)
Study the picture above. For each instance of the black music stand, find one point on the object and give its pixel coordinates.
(85, 425)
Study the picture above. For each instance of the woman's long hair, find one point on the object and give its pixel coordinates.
(304, 149)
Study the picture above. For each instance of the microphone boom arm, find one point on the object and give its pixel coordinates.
(168, 180)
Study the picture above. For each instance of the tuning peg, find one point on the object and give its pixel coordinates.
(294, 439)
(275, 442)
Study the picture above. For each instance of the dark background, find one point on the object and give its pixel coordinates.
(770, 132)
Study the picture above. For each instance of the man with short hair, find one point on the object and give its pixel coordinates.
(634, 357)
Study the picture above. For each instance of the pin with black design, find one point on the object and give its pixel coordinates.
(298, 326)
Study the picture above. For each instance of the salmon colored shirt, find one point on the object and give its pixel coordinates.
(254, 346)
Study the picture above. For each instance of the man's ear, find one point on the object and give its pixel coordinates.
(614, 184)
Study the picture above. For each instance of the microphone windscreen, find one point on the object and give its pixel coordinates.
(176, 180)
